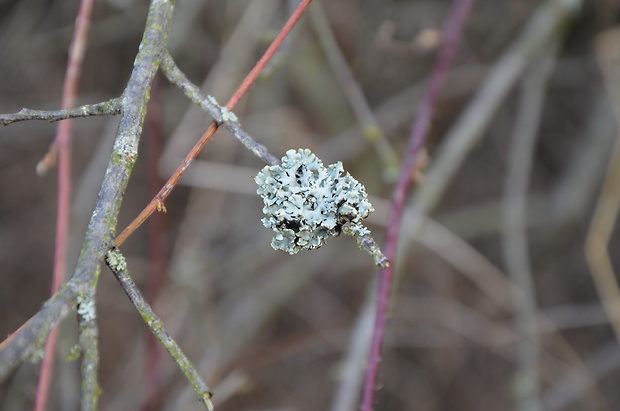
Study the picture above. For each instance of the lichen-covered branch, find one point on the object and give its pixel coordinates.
(118, 265)
(220, 114)
(88, 343)
(30, 339)
(261, 151)
(110, 107)
(102, 226)
(366, 243)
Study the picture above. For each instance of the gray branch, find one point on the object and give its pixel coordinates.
(110, 107)
(220, 114)
(116, 262)
(101, 229)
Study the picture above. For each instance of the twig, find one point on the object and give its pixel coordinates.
(574, 384)
(608, 203)
(366, 243)
(353, 92)
(29, 341)
(220, 114)
(469, 129)
(88, 343)
(99, 109)
(116, 261)
(100, 232)
(157, 244)
(351, 379)
(158, 201)
(515, 243)
(452, 35)
(249, 80)
(63, 212)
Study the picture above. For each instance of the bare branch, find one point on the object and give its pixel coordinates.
(100, 233)
(116, 261)
(110, 107)
(220, 114)
(89, 346)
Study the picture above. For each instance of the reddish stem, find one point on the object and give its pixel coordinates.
(246, 84)
(156, 238)
(451, 38)
(63, 213)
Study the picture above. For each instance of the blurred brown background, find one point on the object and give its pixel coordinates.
(269, 331)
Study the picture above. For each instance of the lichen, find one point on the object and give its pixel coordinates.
(229, 116)
(86, 308)
(212, 100)
(116, 260)
(306, 202)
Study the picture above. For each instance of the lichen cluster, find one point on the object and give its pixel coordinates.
(306, 202)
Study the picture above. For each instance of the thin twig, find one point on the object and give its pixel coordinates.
(220, 114)
(116, 261)
(249, 80)
(158, 256)
(352, 370)
(88, 343)
(608, 203)
(469, 129)
(110, 107)
(515, 243)
(452, 35)
(100, 232)
(62, 144)
(158, 201)
(353, 92)
(366, 243)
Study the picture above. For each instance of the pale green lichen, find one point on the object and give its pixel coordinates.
(116, 260)
(74, 353)
(306, 202)
(212, 100)
(86, 308)
(228, 116)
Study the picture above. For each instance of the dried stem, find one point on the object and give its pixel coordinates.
(157, 244)
(353, 92)
(366, 243)
(469, 129)
(88, 343)
(608, 202)
(63, 213)
(452, 35)
(99, 109)
(158, 201)
(116, 261)
(515, 241)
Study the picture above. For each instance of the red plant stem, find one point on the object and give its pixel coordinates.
(249, 80)
(451, 38)
(156, 239)
(63, 212)
(246, 84)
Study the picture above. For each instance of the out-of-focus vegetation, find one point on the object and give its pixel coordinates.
(269, 331)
